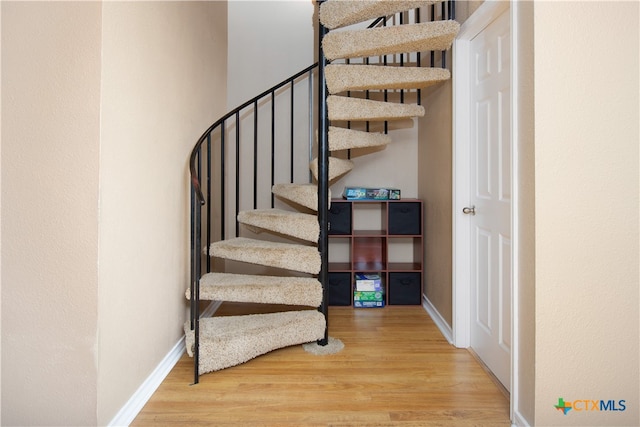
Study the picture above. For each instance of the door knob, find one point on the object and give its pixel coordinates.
(469, 210)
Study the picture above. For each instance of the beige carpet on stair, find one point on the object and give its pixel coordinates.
(304, 259)
(421, 37)
(342, 108)
(304, 291)
(294, 224)
(230, 340)
(345, 139)
(337, 167)
(302, 194)
(340, 13)
(343, 77)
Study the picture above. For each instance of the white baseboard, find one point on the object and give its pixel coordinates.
(442, 325)
(134, 405)
(519, 420)
(130, 410)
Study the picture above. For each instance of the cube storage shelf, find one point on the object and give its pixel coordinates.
(376, 236)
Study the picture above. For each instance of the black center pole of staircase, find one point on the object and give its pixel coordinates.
(323, 180)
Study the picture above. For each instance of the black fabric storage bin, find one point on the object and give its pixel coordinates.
(340, 218)
(405, 288)
(339, 285)
(404, 218)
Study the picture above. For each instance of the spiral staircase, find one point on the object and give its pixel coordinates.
(298, 255)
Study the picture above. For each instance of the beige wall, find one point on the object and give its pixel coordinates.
(50, 163)
(268, 42)
(524, 141)
(163, 84)
(586, 209)
(102, 103)
(434, 182)
(0, 227)
(435, 188)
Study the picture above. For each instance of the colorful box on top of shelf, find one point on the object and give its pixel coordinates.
(362, 193)
(368, 282)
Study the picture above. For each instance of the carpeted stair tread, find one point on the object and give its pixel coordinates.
(295, 224)
(437, 35)
(345, 139)
(305, 259)
(343, 108)
(344, 77)
(337, 167)
(231, 340)
(302, 194)
(340, 13)
(260, 289)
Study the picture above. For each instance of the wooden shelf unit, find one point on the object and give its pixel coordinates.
(376, 236)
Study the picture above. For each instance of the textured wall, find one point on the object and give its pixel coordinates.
(435, 187)
(268, 42)
(50, 160)
(101, 105)
(163, 84)
(525, 405)
(586, 197)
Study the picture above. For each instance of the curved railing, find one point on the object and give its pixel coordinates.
(220, 122)
(209, 173)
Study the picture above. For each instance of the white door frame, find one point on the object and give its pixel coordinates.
(485, 14)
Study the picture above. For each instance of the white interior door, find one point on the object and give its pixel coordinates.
(490, 197)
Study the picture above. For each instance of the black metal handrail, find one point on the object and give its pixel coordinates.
(197, 157)
(194, 153)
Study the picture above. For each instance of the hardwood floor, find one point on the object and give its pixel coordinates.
(396, 370)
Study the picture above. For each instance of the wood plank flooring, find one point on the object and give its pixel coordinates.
(396, 370)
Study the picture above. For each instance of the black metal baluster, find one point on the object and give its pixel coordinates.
(348, 61)
(367, 93)
(223, 131)
(255, 155)
(196, 294)
(386, 91)
(196, 298)
(402, 60)
(433, 18)
(208, 204)
(310, 121)
(418, 57)
(273, 143)
(194, 251)
(237, 171)
(292, 130)
(444, 52)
